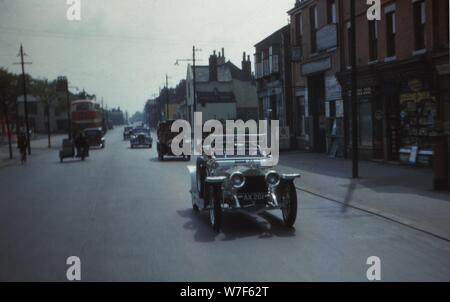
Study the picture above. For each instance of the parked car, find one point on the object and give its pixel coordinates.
(127, 131)
(95, 137)
(241, 183)
(141, 139)
(164, 142)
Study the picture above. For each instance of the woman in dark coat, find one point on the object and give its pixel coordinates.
(22, 142)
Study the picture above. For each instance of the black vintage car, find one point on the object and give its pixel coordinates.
(164, 142)
(95, 137)
(141, 139)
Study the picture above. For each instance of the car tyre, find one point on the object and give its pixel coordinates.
(200, 177)
(215, 206)
(288, 196)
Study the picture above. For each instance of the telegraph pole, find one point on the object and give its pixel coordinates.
(167, 97)
(25, 101)
(193, 60)
(354, 97)
(195, 79)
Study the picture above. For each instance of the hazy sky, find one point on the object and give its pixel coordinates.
(122, 50)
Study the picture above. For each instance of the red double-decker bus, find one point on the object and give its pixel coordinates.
(86, 114)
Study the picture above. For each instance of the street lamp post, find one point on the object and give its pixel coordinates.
(354, 96)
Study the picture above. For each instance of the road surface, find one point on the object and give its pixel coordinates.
(128, 217)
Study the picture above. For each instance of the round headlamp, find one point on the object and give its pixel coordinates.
(273, 178)
(237, 180)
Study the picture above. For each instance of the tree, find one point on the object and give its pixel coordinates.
(46, 92)
(8, 97)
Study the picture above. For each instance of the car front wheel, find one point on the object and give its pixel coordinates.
(288, 197)
(215, 206)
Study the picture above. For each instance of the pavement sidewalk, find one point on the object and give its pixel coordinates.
(38, 143)
(400, 193)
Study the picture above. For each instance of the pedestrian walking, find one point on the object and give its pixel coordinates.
(22, 142)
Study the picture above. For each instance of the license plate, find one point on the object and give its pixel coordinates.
(252, 196)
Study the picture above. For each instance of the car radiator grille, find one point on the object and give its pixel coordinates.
(253, 184)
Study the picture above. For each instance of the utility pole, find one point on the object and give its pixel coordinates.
(195, 79)
(69, 119)
(194, 61)
(167, 97)
(27, 125)
(354, 97)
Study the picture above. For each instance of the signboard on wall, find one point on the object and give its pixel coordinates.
(327, 37)
(339, 109)
(316, 66)
(333, 90)
(306, 104)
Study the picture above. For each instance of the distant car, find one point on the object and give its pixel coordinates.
(95, 137)
(141, 129)
(127, 131)
(141, 139)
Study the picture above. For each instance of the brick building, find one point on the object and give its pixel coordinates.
(403, 76)
(316, 56)
(274, 82)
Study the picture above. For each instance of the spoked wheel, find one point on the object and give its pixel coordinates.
(289, 201)
(194, 206)
(215, 206)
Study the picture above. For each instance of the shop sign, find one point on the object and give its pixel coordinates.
(415, 97)
(316, 66)
(306, 104)
(327, 37)
(367, 91)
(339, 109)
(415, 85)
(333, 89)
(327, 110)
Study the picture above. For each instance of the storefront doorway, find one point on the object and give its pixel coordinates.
(392, 128)
(316, 92)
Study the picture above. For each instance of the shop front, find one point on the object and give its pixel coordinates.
(370, 115)
(410, 108)
(418, 115)
(272, 106)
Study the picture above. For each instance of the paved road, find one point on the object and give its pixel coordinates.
(128, 217)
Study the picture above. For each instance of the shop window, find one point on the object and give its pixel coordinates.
(390, 33)
(373, 40)
(300, 121)
(419, 24)
(331, 11)
(299, 30)
(314, 26)
(349, 44)
(365, 123)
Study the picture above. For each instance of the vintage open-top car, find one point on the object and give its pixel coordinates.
(241, 183)
(141, 139)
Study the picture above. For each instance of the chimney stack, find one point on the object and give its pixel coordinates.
(213, 67)
(246, 65)
(221, 59)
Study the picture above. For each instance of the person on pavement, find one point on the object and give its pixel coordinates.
(22, 142)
